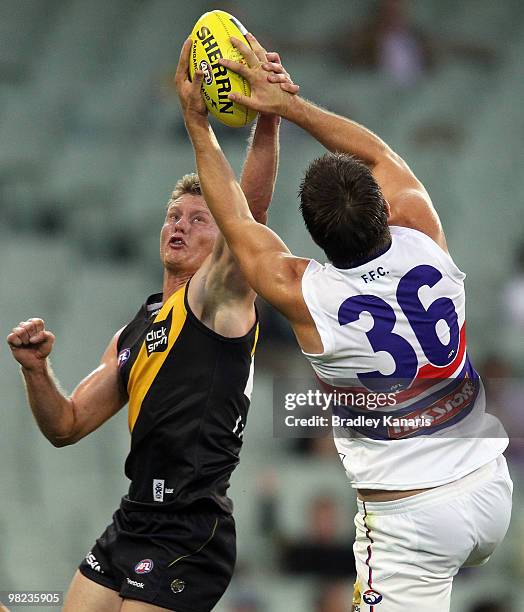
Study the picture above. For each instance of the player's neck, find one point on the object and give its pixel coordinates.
(172, 282)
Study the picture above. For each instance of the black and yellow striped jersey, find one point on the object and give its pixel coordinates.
(189, 391)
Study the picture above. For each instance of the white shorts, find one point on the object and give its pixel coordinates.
(408, 551)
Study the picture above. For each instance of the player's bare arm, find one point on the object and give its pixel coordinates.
(256, 248)
(64, 420)
(219, 293)
(409, 202)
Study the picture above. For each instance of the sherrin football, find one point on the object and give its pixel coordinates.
(211, 41)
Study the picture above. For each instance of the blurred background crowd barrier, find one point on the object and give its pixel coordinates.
(91, 143)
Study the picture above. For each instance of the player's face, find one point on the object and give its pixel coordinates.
(188, 234)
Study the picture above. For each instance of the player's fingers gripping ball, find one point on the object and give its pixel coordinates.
(211, 41)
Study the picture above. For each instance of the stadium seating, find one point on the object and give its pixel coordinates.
(90, 138)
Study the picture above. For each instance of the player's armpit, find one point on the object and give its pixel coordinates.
(264, 259)
(97, 398)
(250, 264)
(225, 281)
(219, 295)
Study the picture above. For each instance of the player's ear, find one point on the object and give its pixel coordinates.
(388, 208)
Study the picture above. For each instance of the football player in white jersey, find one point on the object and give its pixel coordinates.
(433, 490)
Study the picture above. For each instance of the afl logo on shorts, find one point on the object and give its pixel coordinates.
(371, 597)
(123, 356)
(144, 566)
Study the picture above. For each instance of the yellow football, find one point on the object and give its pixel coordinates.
(211, 41)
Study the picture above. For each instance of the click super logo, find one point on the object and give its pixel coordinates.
(157, 337)
(144, 566)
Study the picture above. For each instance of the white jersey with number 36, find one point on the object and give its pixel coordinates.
(395, 327)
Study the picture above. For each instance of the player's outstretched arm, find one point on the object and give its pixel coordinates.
(219, 294)
(264, 259)
(223, 280)
(409, 201)
(261, 165)
(410, 204)
(64, 420)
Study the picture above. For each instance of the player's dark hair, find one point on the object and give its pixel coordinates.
(344, 209)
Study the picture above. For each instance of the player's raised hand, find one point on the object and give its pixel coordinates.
(272, 63)
(189, 92)
(30, 343)
(266, 96)
(278, 74)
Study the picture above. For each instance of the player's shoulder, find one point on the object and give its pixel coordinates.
(415, 211)
(406, 232)
(146, 312)
(417, 244)
(151, 307)
(404, 235)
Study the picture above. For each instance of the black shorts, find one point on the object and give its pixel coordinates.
(180, 561)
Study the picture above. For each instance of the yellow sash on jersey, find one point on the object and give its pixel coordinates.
(146, 368)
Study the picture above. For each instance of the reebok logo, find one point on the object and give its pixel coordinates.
(139, 585)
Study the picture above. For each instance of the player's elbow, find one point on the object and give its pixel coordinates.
(61, 441)
(68, 430)
(62, 438)
(260, 216)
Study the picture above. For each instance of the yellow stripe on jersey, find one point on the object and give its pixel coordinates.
(146, 368)
(256, 340)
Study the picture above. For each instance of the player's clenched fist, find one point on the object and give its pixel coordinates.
(30, 343)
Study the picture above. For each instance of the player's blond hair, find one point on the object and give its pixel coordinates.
(189, 183)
